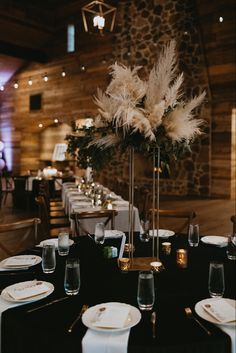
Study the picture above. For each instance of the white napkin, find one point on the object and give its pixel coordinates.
(105, 342)
(20, 261)
(111, 317)
(28, 291)
(221, 310)
(113, 233)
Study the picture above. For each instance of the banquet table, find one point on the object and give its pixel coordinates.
(45, 330)
(75, 201)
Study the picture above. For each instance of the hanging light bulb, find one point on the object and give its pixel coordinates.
(30, 81)
(16, 85)
(40, 125)
(63, 73)
(56, 121)
(45, 77)
(2, 88)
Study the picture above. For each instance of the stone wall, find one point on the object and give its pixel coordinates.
(144, 27)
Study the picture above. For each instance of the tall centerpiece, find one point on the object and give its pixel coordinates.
(149, 116)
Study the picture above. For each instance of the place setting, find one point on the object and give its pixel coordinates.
(19, 262)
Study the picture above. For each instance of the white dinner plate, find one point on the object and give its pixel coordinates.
(204, 314)
(53, 241)
(89, 316)
(163, 233)
(8, 298)
(215, 240)
(4, 267)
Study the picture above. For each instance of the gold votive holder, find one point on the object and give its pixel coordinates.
(124, 264)
(157, 266)
(182, 258)
(129, 248)
(166, 248)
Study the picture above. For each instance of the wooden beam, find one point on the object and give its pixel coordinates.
(21, 52)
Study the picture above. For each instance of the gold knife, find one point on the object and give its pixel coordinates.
(153, 321)
(83, 309)
(47, 304)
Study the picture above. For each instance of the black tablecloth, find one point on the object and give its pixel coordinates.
(45, 330)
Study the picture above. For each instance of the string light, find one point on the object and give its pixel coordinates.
(15, 85)
(40, 125)
(45, 77)
(221, 19)
(83, 68)
(63, 73)
(30, 81)
(2, 88)
(56, 121)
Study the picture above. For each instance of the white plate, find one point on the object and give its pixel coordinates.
(133, 318)
(204, 314)
(215, 240)
(53, 241)
(8, 298)
(38, 259)
(163, 233)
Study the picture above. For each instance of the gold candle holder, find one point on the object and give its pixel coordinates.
(182, 258)
(129, 248)
(166, 248)
(157, 266)
(124, 264)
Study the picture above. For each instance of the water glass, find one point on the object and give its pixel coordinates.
(216, 282)
(146, 292)
(48, 258)
(231, 247)
(72, 277)
(193, 235)
(144, 231)
(99, 233)
(63, 244)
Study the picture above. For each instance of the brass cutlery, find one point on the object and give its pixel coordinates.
(47, 304)
(153, 321)
(83, 309)
(190, 315)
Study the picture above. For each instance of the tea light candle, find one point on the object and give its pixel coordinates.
(182, 258)
(166, 248)
(124, 264)
(109, 205)
(156, 266)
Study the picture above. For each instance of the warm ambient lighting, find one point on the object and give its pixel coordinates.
(15, 85)
(56, 121)
(63, 73)
(221, 19)
(30, 81)
(94, 14)
(2, 88)
(40, 125)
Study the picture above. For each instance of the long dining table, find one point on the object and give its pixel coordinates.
(46, 330)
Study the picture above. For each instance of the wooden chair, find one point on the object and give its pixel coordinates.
(175, 220)
(78, 217)
(7, 188)
(233, 220)
(24, 231)
(50, 226)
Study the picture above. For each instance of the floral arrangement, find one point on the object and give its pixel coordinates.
(143, 114)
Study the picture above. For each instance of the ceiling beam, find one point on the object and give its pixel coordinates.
(21, 52)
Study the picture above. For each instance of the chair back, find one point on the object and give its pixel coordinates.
(233, 220)
(43, 214)
(78, 217)
(24, 234)
(175, 220)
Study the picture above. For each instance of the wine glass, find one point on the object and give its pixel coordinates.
(216, 281)
(193, 235)
(99, 233)
(144, 231)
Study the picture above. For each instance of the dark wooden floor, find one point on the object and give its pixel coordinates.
(213, 216)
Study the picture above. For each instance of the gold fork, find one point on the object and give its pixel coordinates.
(84, 308)
(190, 315)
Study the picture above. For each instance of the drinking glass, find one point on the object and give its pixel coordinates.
(144, 231)
(63, 244)
(72, 277)
(99, 233)
(48, 258)
(145, 293)
(193, 235)
(231, 247)
(216, 282)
